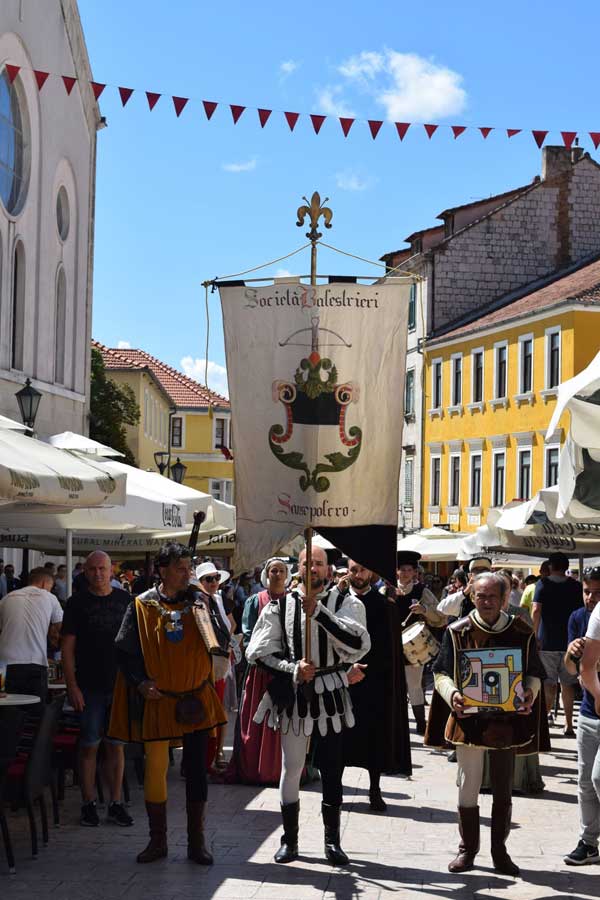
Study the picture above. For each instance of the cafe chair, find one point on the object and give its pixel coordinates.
(11, 722)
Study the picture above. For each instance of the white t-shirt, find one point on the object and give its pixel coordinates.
(25, 617)
(593, 629)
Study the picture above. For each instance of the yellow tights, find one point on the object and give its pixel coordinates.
(155, 775)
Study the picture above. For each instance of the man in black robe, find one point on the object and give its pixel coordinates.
(380, 740)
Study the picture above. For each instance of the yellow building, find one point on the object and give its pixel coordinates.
(178, 417)
(490, 390)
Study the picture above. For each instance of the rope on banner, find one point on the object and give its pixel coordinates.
(373, 263)
(272, 262)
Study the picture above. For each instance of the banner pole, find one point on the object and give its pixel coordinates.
(315, 210)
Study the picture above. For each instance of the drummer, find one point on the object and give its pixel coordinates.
(415, 600)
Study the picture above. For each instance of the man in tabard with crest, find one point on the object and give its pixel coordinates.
(310, 698)
(504, 734)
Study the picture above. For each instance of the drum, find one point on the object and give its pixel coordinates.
(419, 644)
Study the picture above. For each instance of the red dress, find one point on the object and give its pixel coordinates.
(256, 755)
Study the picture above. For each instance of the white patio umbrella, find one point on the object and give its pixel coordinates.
(69, 440)
(579, 465)
(435, 544)
(11, 425)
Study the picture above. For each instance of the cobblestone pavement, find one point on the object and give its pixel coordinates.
(403, 852)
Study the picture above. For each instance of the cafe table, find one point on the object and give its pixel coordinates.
(18, 700)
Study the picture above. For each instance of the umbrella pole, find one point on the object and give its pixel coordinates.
(69, 554)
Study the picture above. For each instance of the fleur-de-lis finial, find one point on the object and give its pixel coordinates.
(315, 211)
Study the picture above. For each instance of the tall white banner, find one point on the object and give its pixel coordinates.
(316, 381)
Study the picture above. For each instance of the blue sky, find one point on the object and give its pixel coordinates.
(182, 200)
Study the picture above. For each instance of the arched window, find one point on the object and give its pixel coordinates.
(13, 146)
(60, 326)
(18, 307)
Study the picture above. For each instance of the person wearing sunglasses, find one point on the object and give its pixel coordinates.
(583, 656)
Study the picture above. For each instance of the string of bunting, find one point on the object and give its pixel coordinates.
(317, 121)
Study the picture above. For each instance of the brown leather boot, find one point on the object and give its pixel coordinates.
(157, 821)
(468, 826)
(420, 721)
(197, 852)
(501, 819)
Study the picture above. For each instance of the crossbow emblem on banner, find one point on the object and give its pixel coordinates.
(315, 398)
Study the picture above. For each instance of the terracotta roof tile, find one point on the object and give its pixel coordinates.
(183, 390)
(582, 285)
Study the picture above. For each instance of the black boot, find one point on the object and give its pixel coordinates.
(501, 819)
(288, 851)
(331, 821)
(197, 852)
(419, 714)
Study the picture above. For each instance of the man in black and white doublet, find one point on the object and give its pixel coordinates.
(310, 698)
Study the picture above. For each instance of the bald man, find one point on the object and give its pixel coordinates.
(92, 619)
(309, 697)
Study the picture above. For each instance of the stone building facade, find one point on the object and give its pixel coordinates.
(484, 255)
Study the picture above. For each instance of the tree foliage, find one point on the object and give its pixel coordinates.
(112, 407)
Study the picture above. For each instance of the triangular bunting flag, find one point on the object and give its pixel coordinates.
(263, 116)
(12, 72)
(402, 128)
(485, 132)
(374, 126)
(430, 129)
(40, 77)
(125, 94)
(236, 112)
(317, 122)
(510, 132)
(539, 137)
(179, 103)
(97, 88)
(69, 83)
(568, 138)
(346, 125)
(291, 119)
(457, 130)
(152, 99)
(209, 108)
(595, 136)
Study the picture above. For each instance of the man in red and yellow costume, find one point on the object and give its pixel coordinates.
(165, 696)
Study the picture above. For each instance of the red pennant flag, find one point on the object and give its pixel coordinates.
(346, 125)
(69, 83)
(430, 129)
(512, 131)
(263, 115)
(457, 130)
(317, 122)
(40, 77)
(485, 132)
(236, 112)
(595, 136)
(97, 88)
(374, 125)
(292, 118)
(125, 94)
(179, 103)
(209, 108)
(402, 128)
(568, 138)
(539, 137)
(152, 99)
(12, 72)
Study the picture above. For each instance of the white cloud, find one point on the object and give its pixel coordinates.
(287, 68)
(217, 374)
(406, 85)
(124, 345)
(283, 273)
(248, 166)
(331, 102)
(349, 180)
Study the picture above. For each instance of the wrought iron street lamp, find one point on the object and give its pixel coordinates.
(28, 399)
(161, 458)
(178, 471)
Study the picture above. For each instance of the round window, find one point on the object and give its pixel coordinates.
(62, 213)
(13, 148)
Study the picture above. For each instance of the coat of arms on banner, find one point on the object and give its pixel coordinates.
(315, 397)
